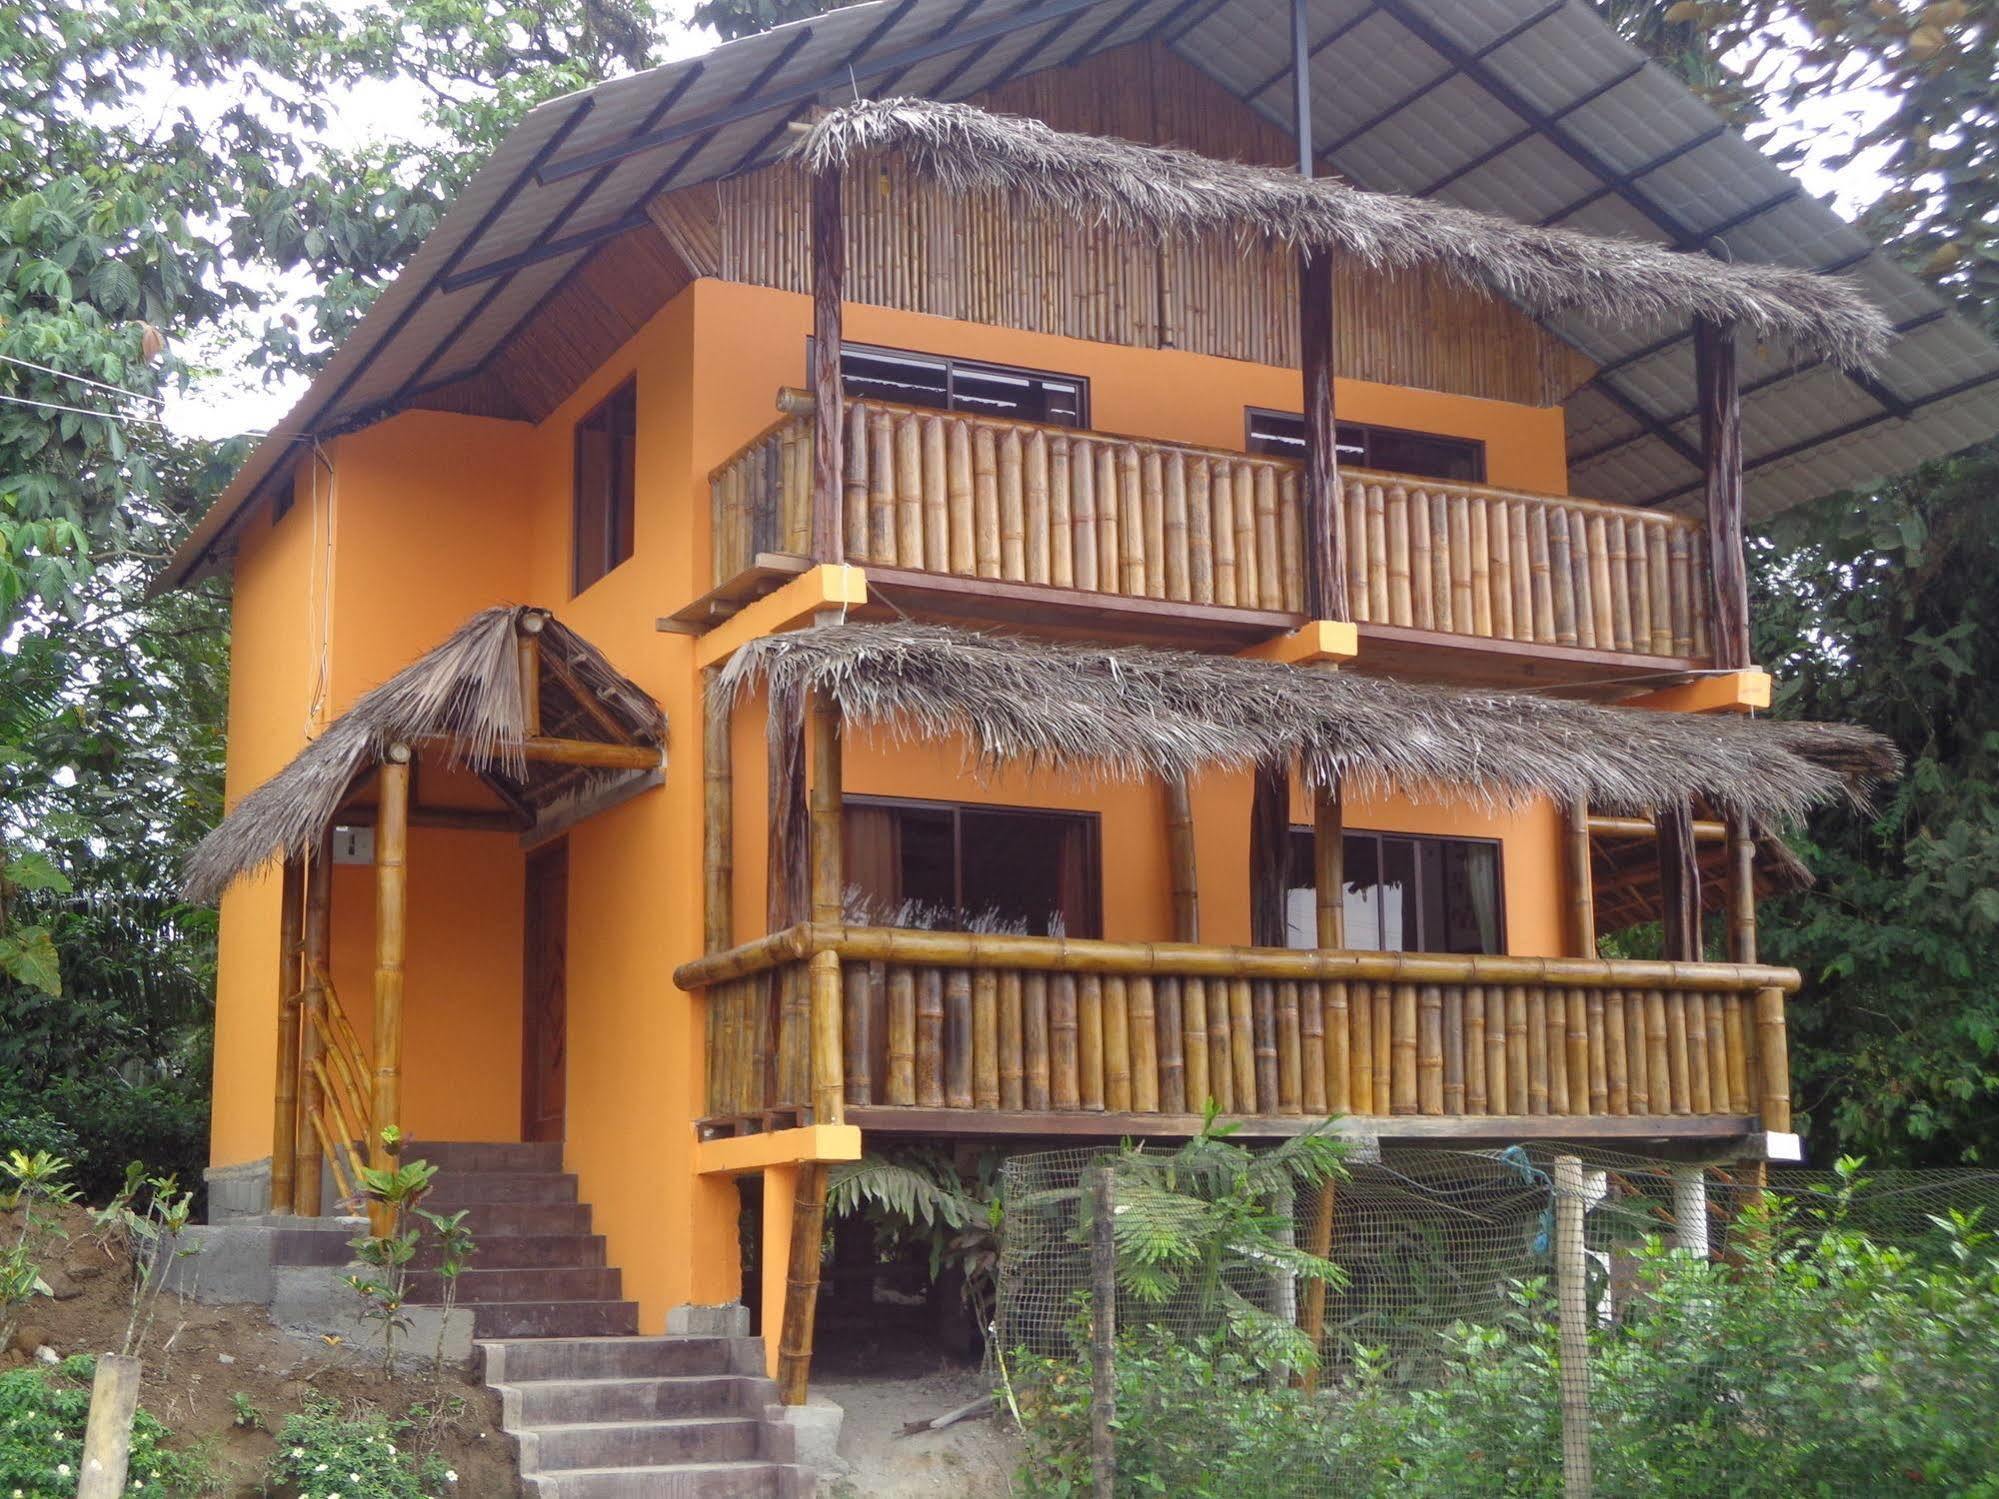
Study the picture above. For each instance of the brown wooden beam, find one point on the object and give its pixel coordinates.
(1721, 452)
(829, 271)
(1679, 885)
(718, 838)
(1103, 1125)
(588, 752)
(1324, 516)
(1269, 854)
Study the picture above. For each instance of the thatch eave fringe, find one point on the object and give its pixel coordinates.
(1127, 713)
(464, 693)
(1165, 193)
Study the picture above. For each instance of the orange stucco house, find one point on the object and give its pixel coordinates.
(982, 581)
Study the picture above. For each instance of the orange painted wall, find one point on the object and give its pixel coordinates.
(439, 515)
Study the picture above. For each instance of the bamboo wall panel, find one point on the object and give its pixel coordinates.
(993, 498)
(1124, 1029)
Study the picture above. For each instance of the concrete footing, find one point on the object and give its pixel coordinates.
(731, 1319)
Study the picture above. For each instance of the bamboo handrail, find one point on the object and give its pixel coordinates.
(1085, 956)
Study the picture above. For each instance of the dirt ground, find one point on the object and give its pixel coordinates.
(198, 1358)
(974, 1459)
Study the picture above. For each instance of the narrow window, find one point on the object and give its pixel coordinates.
(1405, 894)
(949, 384)
(954, 867)
(1281, 434)
(606, 483)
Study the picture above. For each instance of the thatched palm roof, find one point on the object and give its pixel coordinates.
(464, 693)
(1166, 193)
(1131, 713)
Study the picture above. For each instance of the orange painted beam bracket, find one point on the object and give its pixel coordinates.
(1746, 691)
(830, 585)
(1335, 640)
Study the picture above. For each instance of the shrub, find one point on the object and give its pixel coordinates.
(325, 1452)
(42, 1416)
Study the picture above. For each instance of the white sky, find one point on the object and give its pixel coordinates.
(235, 400)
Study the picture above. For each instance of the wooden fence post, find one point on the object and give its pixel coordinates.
(107, 1439)
(1572, 1308)
(1103, 1333)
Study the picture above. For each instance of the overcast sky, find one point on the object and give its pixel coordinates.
(235, 399)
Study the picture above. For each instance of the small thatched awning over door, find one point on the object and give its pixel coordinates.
(1130, 713)
(513, 696)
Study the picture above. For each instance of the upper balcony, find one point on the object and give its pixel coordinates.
(999, 520)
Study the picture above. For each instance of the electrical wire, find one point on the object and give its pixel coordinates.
(49, 369)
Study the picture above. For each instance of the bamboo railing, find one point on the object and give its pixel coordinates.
(984, 1023)
(983, 497)
(341, 1118)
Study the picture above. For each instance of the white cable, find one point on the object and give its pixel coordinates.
(49, 369)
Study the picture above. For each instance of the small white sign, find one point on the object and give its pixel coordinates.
(353, 845)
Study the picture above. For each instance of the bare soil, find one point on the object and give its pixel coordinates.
(198, 1358)
(893, 1385)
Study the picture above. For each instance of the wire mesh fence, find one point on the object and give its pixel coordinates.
(1520, 1321)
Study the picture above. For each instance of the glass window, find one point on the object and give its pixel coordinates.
(953, 867)
(606, 477)
(1404, 894)
(1281, 434)
(963, 385)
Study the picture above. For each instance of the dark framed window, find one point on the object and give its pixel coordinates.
(955, 866)
(1281, 434)
(606, 479)
(1405, 894)
(964, 385)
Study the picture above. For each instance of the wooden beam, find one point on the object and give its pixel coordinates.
(1679, 884)
(1328, 640)
(1269, 854)
(316, 933)
(718, 819)
(291, 985)
(391, 939)
(589, 753)
(788, 882)
(1744, 691)
(945, 1123)
(735, 1155)
(1602, 826)
(835, 585)
(829, 272)
(1721, 453)
(1324, 516)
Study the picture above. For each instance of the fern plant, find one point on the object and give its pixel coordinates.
(921, 1194)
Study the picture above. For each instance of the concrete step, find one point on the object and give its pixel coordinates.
(456, 1189)
(485, 1284)
(552, 1402)
(524, 1252)
(510, 1362)
(623, 1444)
(314, 1246)
(739, 1480)
(555, 1319)
(485, 1155)
(491, 1219)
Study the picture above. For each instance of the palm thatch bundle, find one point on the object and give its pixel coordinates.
(1129, 713)
(464, 695)
(1164, 192)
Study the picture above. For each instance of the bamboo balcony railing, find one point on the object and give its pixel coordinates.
(999, 1024)
(982, 497)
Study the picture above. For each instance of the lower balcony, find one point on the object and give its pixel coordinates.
(963, 1034)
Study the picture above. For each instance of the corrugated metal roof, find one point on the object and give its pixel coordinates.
(1532, 109)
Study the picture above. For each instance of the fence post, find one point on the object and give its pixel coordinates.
(107, 1438)
(1103, 1333)
(1572, 1308)
(1690, 1228)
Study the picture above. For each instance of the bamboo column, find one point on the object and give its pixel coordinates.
(1324, 519)
(318, 941)
(1319, 1241)
(291, 992)
(1329, 865)
(718, 839)
(801, 1284)
(391, 900)
(1679, 883)
(1720, 399)
(1741, 891)
(826, 892)
(527, 661)
(1582, 890)
(829, 272)
(1180, 845)
(1572, 1307)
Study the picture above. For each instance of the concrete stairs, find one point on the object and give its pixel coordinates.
(677, 1417)
(538, 1271)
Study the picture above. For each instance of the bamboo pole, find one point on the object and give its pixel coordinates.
(1319, 1242)
(391, 936)
(958, 1031)
(1194, 1048)
(1180, 846)
(1269, 853)
(291, 995)
(718, 858)
(1430, 1049)
(1571, 1273)
(1679, 884)
(1312, 1095)
(801, 1285)
(1144, 1021)
(1324, 517)
(1517, 1050)
(908, 492)
(1064, 1042)
(827, 1082)
(1170, 1028)
(1360, 1050)
(1720, 401)
(829, 272)
(1012, 1041)
(1774, 1058)
(1103, 1333)
(1090, 1039)
(930, 1038)
(1404, 1090)
(901, 1080)
(1243, 1047)
(826, 890)
(1582, 891)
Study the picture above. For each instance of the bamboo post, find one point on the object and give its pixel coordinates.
(284, 1100)
(717, 819)
(1741, 890)
(527, 663)
(1679, 884)
(1318, 1241)
(1103, 1332)
(1773, 1061)
(1572, 1309)
(318, 940)
(1329, 865)
(1180, 844)
(826, 889)
(1720, 400)
(801, 1284)
(391, 936)
(1324, 520)
(1582, 891)
(829, 271)
(107, 1438)
(827, 1082)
